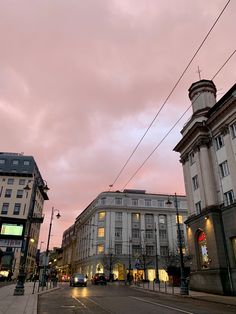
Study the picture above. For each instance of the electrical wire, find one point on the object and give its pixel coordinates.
(167, 98)
(174, 125)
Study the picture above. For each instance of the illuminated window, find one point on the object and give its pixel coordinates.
(203, 251)
(233, 241)
(100, 248)
(101, 232)
(101, 216)
(180, 219)
(136, 217)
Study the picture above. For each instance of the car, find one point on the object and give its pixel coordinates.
(99, 278)
(78, 280)
(3, 278)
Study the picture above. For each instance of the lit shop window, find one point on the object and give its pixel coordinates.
(101, 216)
(203, 251)
(100, 248)
(180, 219)
(101, 232)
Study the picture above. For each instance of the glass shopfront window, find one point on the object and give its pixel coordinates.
(203, 251)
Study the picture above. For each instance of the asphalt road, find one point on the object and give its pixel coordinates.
(120, 299)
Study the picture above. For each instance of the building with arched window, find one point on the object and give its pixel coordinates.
(131, 231)
(208, 156)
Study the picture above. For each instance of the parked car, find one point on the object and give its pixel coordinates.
(99, 278)
(78, 280)
(3, 278)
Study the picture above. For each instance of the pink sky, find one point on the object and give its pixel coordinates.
(80, 82)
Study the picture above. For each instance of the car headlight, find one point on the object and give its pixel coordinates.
(85, 279)
(76, 279)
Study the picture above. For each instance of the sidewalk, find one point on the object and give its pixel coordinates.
(23, 304)
(228, 300)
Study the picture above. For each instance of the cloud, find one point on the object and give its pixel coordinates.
(81, 81)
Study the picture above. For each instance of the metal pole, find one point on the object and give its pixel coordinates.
(183, 283)
(20, 288)
(129, 263)
(157, 270)
(47, 250)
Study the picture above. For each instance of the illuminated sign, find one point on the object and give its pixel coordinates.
(8, 229)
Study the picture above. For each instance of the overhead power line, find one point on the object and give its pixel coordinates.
(174, 125)
(167, 98)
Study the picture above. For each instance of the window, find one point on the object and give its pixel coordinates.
(148, 203)
(16, 209)
(224, 169)
(134, 202)
(118, 233)
(100, 248)
(160, 203)
(118, 248)
(198, 207)
(191, 158)
(8, 192)
(203, 251)
(149, 234)
(233, 241)
(135, 217)
(135, 233)
(219, 142)
(22, 182)
(180, 219)
(149, 218)
(195, 182)
(101, 232)
(118, 216)
(164, 250)
(136, 249)
(19, 193)
(162, 219)
(10, 181)
(101, 216)
(233, 130)
(162, 234)
(150, 250)
(2, 161)
(229, 198)
(118, 201)
(5, 207)
(103, 200)
(15, 162)
(26, 162)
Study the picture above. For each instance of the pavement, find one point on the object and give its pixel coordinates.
(22, 304)
(27, 303)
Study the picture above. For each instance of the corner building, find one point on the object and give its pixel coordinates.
(128, 231)
(208, 156)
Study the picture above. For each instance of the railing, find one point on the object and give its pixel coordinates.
(164, 287)
(39, 286)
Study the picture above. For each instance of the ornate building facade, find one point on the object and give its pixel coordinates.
(208, 156)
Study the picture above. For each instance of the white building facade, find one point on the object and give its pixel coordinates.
(208, 156)
(128, 231)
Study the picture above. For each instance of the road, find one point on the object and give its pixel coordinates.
(120, 299)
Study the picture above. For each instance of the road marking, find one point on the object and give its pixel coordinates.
(67, 305)
(106, 310)
(162, 305)
(81, 303)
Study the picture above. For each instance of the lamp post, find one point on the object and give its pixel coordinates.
(129, 262)
(47, 249)
(156, 256)
(183, 281)
(42, 185)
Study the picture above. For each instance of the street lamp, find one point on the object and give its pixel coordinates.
(42, 185)
(183, 280)
(47, 249)
(157, 271)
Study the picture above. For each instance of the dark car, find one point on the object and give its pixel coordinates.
(78, 280)
(99, 278)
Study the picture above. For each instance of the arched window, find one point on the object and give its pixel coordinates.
(202, 249)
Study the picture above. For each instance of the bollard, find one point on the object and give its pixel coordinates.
(165, 287)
